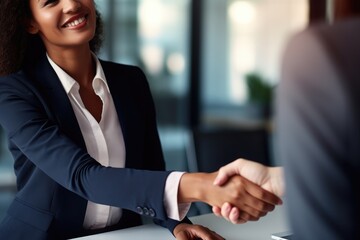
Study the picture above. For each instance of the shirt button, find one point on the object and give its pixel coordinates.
(140, 210)
(152, 212)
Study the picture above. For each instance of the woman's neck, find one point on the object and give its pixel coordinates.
(78, 63)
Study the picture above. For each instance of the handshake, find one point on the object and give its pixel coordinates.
(240, 191)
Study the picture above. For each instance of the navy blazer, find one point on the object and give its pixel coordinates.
(55, 174)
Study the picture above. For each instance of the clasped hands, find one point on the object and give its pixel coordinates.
(240, 191)
(267, 192)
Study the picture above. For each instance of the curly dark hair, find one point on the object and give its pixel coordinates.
(17, 46)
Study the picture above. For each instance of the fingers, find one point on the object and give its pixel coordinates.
(235, 216)
(217, 236)
(182, 236)
(244, 199)
(194, 232)
(231, 214)
(225, 211)
(262, 194)
(245, 193)
(238, 192)
(217, 211)
(269, 178)
(254, 206)
(209, 235)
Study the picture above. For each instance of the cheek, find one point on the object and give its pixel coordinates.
(46, 21)
(50, 19)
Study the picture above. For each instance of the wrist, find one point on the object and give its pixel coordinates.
(193, 187)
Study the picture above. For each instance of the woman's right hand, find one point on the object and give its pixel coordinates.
(269, 178)
(252, 201)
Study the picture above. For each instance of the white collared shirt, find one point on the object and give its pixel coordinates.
(105, 143)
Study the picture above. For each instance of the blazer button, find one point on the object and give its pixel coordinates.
(146, 211)
(140, 210)
(152, 212)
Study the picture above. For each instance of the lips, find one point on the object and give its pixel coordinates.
(75, 21)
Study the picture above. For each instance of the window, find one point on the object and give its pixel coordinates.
(241, 37)
(154, 34)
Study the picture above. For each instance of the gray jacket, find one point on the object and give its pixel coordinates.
(318, 116)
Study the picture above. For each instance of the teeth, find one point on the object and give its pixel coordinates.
(76, 22)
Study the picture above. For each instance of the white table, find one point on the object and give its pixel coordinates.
(259, 230)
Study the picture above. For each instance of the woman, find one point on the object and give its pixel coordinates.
(83, 135)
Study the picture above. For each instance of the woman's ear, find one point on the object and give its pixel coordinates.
(31, 27)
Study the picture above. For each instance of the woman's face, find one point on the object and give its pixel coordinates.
(63, 24)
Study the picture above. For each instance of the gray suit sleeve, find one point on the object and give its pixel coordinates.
(314, 124)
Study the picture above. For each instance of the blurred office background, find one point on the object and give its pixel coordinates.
(212, 66)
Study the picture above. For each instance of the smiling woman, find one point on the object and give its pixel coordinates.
(59, 25)
(83, 135)
(18, 44)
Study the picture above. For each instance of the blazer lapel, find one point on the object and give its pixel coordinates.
(58, 100)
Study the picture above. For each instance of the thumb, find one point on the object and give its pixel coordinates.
(221, 178)
(225, 172)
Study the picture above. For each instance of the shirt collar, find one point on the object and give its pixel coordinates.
(68, 82)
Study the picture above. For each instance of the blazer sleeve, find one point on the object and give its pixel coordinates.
(23, 115)
(314, 125)
(153, 151)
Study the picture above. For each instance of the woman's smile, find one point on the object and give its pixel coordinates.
(64, 24)
(76, 22)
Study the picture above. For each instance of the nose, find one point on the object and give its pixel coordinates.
(71, 6)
